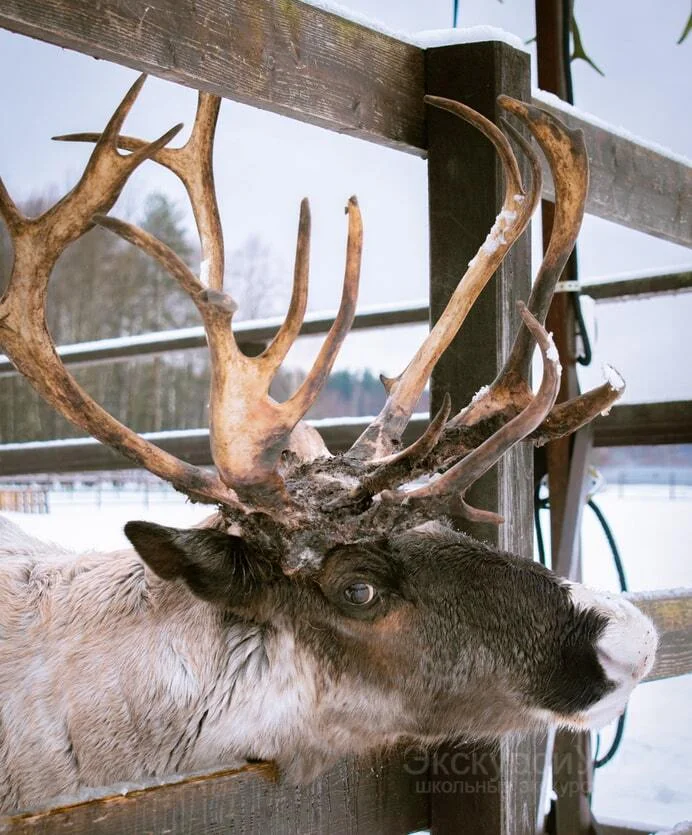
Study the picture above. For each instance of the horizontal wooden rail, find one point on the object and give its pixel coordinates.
(639, 288)
(631, 184)
(88, 454)
(671, 611)
(256, 331)
(381, 795)
(636, 425)
(288, 57)
(247, 333)
(646, 424)
(301, 61)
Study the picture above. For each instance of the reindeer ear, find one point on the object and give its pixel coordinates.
(216, 566)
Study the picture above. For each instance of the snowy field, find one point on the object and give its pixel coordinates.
(650, 779)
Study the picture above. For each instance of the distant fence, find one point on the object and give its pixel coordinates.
(24, 500)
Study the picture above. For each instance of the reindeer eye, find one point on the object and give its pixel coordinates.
(359, 593)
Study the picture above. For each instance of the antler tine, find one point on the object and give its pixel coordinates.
(452, 484)
(9, 211)
(38, 242)
(566, 153)
(192, 164)
(571, 415)
(168, 259)
(249, 430)
(396, 469)
(103, 179)
(297, 405)
(385, 431)
(276, 352)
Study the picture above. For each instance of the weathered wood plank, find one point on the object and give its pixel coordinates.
(639, 288)
(284, 56)
(567, 554)
(351, 799)
(642, 424)
(303, 62)
(465, 187)
(646, 424)
(250, 332)
(630, 184)
(671, 611)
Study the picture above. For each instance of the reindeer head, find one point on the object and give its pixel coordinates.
(427, 632)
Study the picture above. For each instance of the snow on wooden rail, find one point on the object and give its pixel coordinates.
(306, 62)
(640, 424)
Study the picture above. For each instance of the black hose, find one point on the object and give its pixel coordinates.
(538, 505)
(617, 739)
(611, 541)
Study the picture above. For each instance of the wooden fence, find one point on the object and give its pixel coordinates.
(24, 500)
(309, 64)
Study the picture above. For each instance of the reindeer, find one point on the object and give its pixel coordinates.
(328, 607)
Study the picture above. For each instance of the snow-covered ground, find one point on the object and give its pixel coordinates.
(650, 779)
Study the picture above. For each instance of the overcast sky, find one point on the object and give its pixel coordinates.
(264, 164)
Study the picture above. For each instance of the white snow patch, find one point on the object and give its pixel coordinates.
(553, 101)
(425, 39)
(492, 242)
(470, 34)
(613, 378)
(259, 328)
(154, 437)
(354, 17)
(651, 272)
(496, 236)
(482, 391)
(131, 341)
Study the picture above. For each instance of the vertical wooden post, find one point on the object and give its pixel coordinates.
(572, 770)
(494, 792)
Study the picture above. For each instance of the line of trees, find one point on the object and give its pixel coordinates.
(102, 287)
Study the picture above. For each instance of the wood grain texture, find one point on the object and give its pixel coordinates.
(246, 333)
(369, 798)
(639, 288)
(632, 185)
(465, 186)
(291, 58)
(671, 611)
(639, 424)
(646, 424)
(284, 56)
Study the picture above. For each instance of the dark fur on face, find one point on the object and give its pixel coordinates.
(454, 626)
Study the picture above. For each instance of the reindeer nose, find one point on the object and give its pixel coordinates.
(626, 667)
(627, 647)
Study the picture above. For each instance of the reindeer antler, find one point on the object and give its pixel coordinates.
(463, 448)
(38, 242)
(310, 502)
(385, 431)
(249, 430)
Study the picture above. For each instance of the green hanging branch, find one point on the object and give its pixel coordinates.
(579, 47)
(687, 29)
